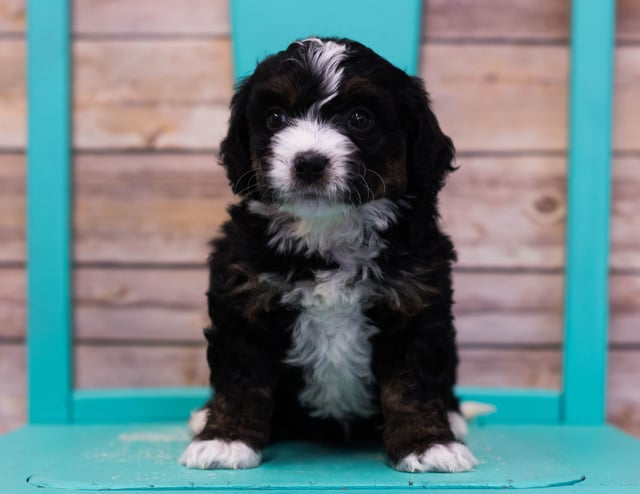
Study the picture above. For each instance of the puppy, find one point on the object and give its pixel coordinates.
(330, 287)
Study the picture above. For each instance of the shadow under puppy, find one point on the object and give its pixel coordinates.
(330, 287)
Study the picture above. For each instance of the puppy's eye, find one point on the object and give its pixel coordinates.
(359, 120)
(276, 119)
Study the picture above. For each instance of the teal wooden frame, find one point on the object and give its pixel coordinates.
(253, 38)
(588, 193)
(51, 395)
(49, 334)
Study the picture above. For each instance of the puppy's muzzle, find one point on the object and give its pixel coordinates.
(309, 167)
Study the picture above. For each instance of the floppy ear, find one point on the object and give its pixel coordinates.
(235, 148)
(430, 152)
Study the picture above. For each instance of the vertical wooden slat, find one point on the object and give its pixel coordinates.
(48, 212)
(586, 306)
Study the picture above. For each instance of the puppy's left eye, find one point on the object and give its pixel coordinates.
(359, 120)
(276, 118)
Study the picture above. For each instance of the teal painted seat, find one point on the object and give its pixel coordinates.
(130, 439)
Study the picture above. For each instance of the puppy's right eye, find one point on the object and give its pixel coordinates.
(276, 119)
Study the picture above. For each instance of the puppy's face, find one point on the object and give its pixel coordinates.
(329, 120)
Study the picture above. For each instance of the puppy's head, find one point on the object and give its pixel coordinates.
(329, 120)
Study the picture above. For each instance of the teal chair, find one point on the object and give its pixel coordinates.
(130, 439)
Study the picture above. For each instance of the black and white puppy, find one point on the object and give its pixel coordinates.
(330, 288)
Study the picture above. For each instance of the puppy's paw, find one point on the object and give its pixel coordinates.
(215, 453)
(450, 458)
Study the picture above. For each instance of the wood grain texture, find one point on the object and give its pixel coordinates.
(479, 367)
(626, 98)
(505, 212)
(506, 97)
(516, 20)
(12, 207)
(497, 19)
(151, 94)
(13, 15)
(491, 308)
(623, 397)
(122, 71)
(149, 209)
(104, 366)
(478, 94)
(12, 304)
(510, 20)
(12, 94)
(167, 305)
(173, 93)
(13, 389)
(184, 366)
(172, 17)
(149, 304)
(502, 211)
(136, 365)
(628, 20)
(488, 97)
(625, 309)
(625, 213)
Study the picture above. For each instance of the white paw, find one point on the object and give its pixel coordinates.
(219, 454)
(452, 457)
(458, 425)
(197, 421)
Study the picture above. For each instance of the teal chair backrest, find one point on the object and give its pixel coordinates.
(260, 27)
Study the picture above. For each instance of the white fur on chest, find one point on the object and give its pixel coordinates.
(331, 338)
(332, 343)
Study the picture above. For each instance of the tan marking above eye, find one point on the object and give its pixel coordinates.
(283, 87)
(357, 84)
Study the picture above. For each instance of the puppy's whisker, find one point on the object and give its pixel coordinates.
(239, 180)
(362, 176)
(251, 187)
(249, 190)
(359, 196)
(384, 184)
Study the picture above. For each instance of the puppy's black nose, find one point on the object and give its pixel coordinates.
(310, 166)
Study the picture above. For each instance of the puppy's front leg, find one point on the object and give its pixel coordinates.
(235, 425)
(417, 433)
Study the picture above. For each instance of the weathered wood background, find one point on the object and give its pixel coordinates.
(152, 80)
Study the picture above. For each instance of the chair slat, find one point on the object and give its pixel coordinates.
(48, 213)
(390, 28)
(589, 184)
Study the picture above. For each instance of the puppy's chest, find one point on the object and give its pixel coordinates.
(331, 342)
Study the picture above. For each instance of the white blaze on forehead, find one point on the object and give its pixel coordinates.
(309, 135)
(324, 58)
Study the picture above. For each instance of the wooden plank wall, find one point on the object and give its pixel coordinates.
(152, 82)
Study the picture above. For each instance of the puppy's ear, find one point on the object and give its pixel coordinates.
(235, 154)
(430, 152)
